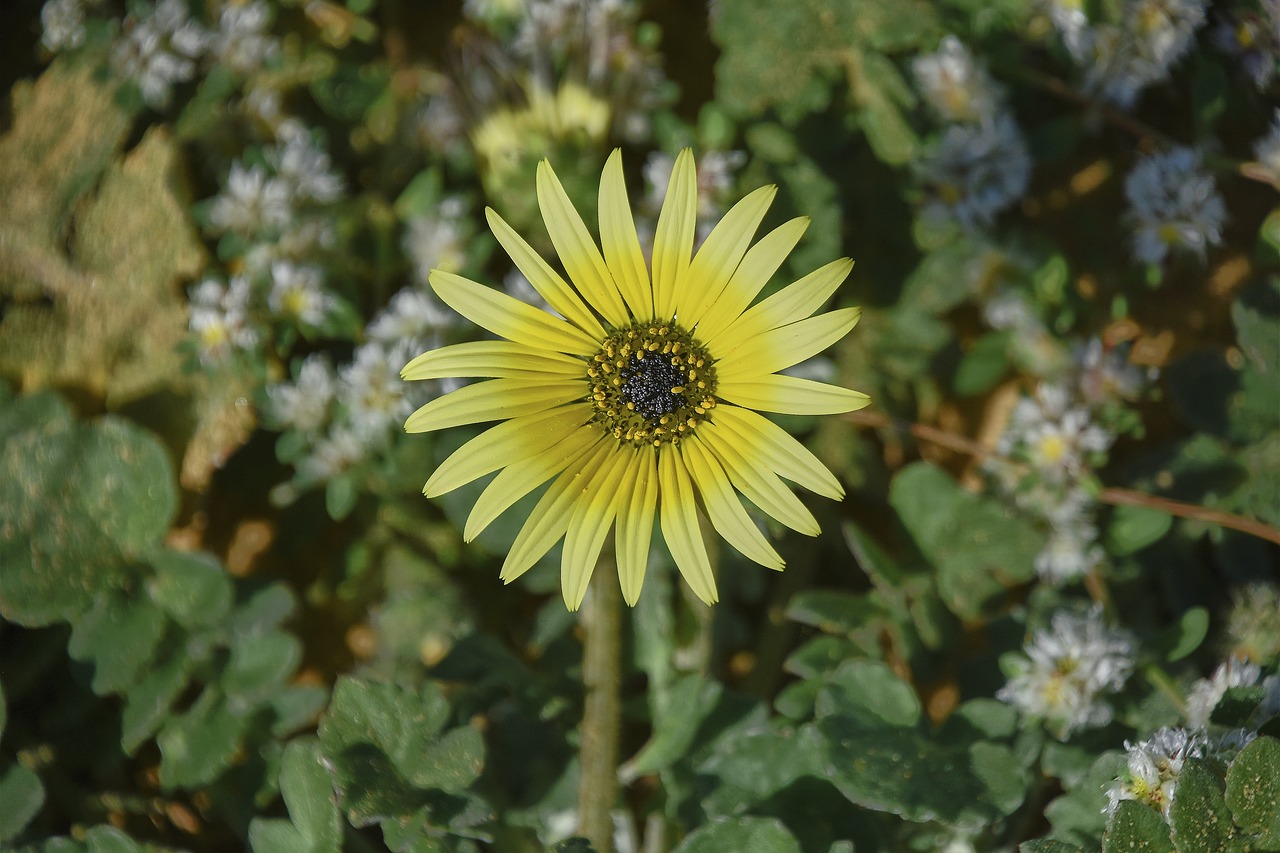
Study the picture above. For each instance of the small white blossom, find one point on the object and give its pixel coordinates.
(1173, 205)
(297, 293)
(371, 390)
(1071, 551)
(1103, 375)
(1207, 692)
(975, 171)
(241, 42)
(1266, 153)
(250, 201)
(304, 404)
(158, 49)
(62, 22)
(303, 165)
(1123, 59)
(1066, 670)
(1253, 37)
(1055, 437)
(413, 316)
(221, 319)
(438, 240)
(954, 85)
(1154, 766)
(338, 451)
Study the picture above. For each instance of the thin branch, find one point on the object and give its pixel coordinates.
(1110, 495)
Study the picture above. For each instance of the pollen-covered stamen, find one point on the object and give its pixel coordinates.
(651, 383)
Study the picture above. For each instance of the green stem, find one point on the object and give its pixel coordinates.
(602, 707)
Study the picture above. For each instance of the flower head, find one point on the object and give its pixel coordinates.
(974, 172)
(1173, 205)
(639, 402)
(1154, 766)
(1065, 670)
(954, 85)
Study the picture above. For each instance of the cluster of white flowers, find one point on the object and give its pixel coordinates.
(1067, 670)
(955, 86)
(241, 41)
(1155, 764)
(298, 294)
(1123, 57)
(973, 172)
(160, 48)
(1173, 205)
(1045, 453)
(62, 23)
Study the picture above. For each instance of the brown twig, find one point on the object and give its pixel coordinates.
(1110, 495)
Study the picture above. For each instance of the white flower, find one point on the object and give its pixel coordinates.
(1123, 59)
(413, 315)
(338, 451)
(304, 403)
(303, 165)
(975, 171)
(1207, 692)
(956, 88)
(1067, 668)
(1103, 375)
(1173, 205)
(241, 42)
(1154, 766)
(63, 24)
(1071, 551)
(371, 390)
(250, 202)
(1266, 152)
(220, 317)
(159, 49)
(438, 240)
(297, 292)
(1055, 437)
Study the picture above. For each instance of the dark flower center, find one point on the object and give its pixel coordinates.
(651, 383)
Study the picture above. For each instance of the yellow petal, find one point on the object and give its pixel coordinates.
(761, 486)
(779, 450)
(673, 237)
(719, 255)
(794, 302)
(510, 318)
(550, 517)
(618, 239)
(678, 514)
(638, 505)
(520, 478)
(725, 510)
(545, 280)
(576, 249)
(592, 518)
(788, 395)
(498, 359)
(780, 348)
(758, 266)
(504, 444)
(493, 400)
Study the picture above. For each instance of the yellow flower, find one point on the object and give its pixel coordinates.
(636, 401)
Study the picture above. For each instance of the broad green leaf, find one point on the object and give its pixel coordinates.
(738, 834)
(108, 839)
(1133, 528)
(833, 611)
(147, 703)
(1136, 827)
(983, 365)
(756, 765)
(1253, 791)
(278, 836)
(119, 637)
(258, 668)
(308, 793)
(1048, 845)
(192, 588)
(21, 797)
(1199, 814)
(979, 546)
(869, 693)
(197, 746)
(1186, 636)
(83, 501)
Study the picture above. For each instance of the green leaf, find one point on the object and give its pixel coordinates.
(147, 703)
(308, 793)
(21, 798)
(196, 747)
(979, 547)
(735, 835)
(1133, 528)
(1047, 845)
(1253, 791)
(832, 611)
(193, 588)
(83, 501)
(340, 496)
(1136, 827)
(278, 836)
(258, 668)
(108, 839)
(1199, 814)
(870, 693)
(1186, 636)
(983, 365)
(119, 637)
(881, 93)
(750, 768)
